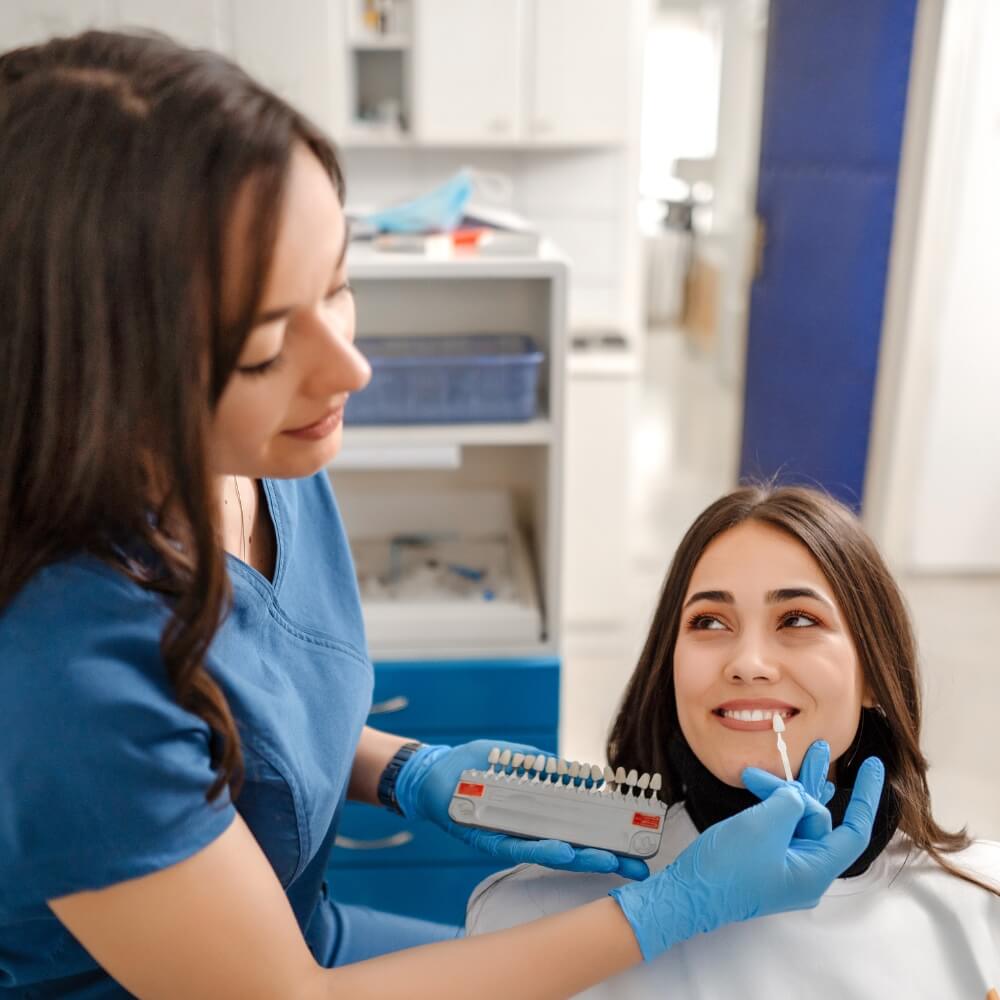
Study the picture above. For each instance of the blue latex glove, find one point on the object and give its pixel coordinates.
(750, 865)
(816, 822)
(426, 783)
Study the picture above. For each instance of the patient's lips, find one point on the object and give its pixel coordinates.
(753, 714)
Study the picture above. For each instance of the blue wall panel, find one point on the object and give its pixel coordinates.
(834, 105)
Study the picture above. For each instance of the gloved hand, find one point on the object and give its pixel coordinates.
(816, 823)
(750, 865)
(426, 783)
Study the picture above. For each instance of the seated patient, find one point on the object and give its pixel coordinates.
(777, 601)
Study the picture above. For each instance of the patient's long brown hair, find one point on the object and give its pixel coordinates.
(121, 157)
(876, 616)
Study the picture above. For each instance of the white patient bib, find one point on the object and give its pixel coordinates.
(903, 928)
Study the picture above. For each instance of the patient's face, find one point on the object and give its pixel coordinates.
(761, 632)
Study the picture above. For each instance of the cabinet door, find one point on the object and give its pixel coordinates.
(580, 71)
(467, 70)
(288, 47)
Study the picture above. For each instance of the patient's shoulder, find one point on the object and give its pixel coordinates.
(982, 858)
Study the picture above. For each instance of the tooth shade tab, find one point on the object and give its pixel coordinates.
(777, 723)
(656, 782)
(615, 814)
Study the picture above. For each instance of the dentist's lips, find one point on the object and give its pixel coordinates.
(749, 715)
(326, 424)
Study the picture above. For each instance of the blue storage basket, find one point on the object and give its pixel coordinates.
(450, 379)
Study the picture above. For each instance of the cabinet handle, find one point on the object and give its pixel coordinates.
(378, 844)
(390, 705)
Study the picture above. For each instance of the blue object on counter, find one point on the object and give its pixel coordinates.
(440, 209)
(448, 379)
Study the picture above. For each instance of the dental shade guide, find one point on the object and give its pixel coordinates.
(583, 804)
(778, 725)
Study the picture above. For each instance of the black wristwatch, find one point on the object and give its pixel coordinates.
(387, 783)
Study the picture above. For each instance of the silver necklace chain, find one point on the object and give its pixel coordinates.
(243, 537)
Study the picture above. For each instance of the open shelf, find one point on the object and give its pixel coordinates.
(419, 435)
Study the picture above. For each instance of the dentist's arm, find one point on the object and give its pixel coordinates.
(219, 923)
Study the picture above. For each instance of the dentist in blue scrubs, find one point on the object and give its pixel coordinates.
(184, 679)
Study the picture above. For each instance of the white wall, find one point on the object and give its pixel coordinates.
(935, 462)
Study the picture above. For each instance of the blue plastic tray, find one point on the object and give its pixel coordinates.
(448, 379)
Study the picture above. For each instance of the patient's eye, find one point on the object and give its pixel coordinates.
(705, 623)
(798, 619)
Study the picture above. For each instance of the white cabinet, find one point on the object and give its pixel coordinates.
(579, 68)
(496, 72)
(467, 79)
(289, 47)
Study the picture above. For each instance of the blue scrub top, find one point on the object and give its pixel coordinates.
(103, 775)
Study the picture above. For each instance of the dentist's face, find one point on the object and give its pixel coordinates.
(760, 633)
(281, 412)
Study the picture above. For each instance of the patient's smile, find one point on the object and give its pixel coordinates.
(752, 716)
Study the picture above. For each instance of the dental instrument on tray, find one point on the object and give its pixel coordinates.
(778, 725)
(542, 797)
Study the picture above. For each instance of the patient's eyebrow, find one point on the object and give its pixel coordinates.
(791, 593)
(711, 595)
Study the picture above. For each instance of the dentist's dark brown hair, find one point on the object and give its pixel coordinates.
(876, 616)
(122, 157)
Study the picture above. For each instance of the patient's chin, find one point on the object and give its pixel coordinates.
(731, 773)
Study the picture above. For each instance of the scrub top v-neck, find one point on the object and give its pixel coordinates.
(103, 775)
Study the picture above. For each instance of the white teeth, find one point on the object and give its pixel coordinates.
(755, 714)
(517, 760)
(656, 783)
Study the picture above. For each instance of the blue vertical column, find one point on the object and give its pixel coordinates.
(834, 105)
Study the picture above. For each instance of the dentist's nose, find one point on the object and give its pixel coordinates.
(338, 366)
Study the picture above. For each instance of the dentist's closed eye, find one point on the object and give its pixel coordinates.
(334, 292)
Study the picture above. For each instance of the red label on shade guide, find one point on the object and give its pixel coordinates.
(476, 791)
(644, 819)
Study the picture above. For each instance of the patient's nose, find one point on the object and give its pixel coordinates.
(751, 664)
